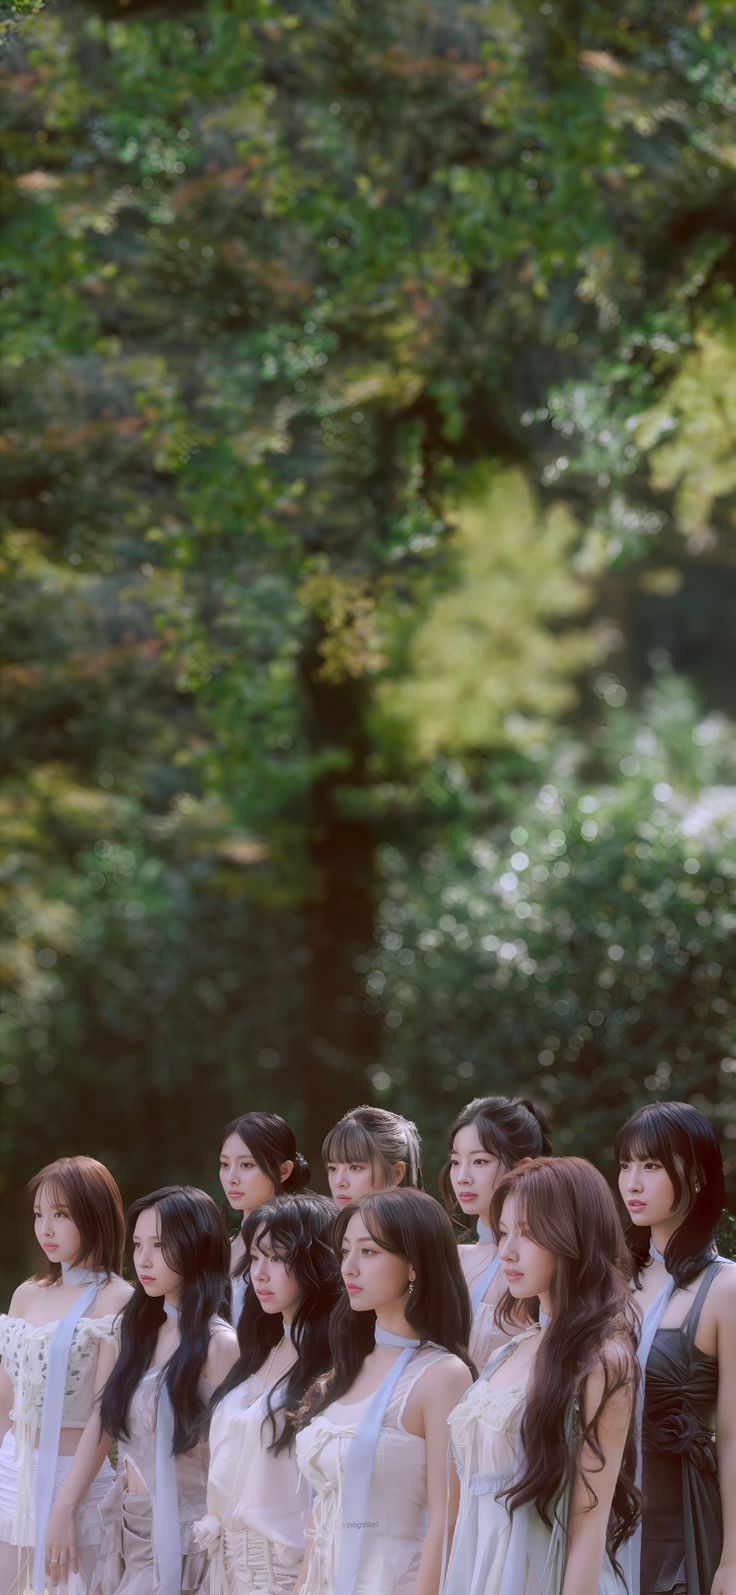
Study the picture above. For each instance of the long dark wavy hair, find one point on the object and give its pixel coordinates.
(684, 1142)
(195, 1245)
(412, 1225)
(509, 1128)
(298, 1229)
(565, 1205)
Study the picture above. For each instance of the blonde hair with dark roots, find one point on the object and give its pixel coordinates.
(379, 1137)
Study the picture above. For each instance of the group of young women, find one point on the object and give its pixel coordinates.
(344, 1401)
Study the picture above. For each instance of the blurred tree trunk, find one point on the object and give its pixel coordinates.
(341, 1039)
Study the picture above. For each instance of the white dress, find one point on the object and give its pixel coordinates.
(485, 1335)
(485, 1560)
(24, 1348)
(126, 1564)
(256, 1502)
(237, 1287)
(396, 1516)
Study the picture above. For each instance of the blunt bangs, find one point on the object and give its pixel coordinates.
(348, 1143)
(653, 1134)
(641, 1141)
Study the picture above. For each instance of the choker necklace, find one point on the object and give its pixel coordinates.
(385, 1337)
(170, 1311)
(656, 1256)
(80, 1276)
(544, 1318)
(287, 1331)
(485, 1233)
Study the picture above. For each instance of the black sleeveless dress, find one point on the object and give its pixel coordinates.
(682, 1532)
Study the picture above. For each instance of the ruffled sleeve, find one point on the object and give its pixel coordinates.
(107, 1329)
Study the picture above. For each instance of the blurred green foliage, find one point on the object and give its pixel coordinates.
(369, 382)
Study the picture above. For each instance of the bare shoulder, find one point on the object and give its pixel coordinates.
(723, 1291)
(23, 1298)
(611, 1379)
(447, 1378)
(223, 1351)
(222, 1333)
(113, 1295)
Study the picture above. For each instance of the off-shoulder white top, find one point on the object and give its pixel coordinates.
(24, 1348)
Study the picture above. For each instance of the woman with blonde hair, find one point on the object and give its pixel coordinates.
(370, 1149)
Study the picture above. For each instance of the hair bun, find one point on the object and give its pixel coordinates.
(542, 1121)
(300, 1175)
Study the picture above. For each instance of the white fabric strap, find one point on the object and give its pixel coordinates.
(486, 1237)
(481, 1285)
(167, 1532)
(359, 1460)
(52, 1414)
(630, 1553)
(386, 1337)
(167, 1529)
(71, 1275)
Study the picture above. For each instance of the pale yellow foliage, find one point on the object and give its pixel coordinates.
(486, 666)
(696, 422)
(346, 608)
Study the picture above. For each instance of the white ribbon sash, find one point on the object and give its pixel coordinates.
(167, 1529)
(359, 1459)
(52, 1413)
(479, 1288)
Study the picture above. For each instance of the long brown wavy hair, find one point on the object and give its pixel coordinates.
(565, 1205)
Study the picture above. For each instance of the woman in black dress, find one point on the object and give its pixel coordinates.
(671, 1181)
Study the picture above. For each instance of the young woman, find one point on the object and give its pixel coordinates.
(542, 1442)
(174, 1351)
(374, 1446)
(254, 1529)
(671, 1181)
(368, 1150)
(50, 1343)
(488, 1138)
(258, 1160)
